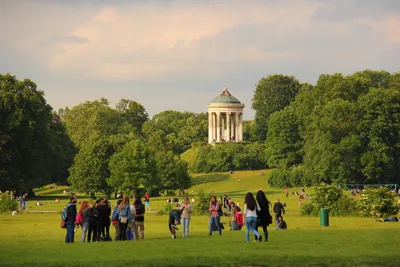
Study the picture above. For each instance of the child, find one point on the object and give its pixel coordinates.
(186, 212)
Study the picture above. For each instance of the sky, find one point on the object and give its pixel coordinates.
(179, 55)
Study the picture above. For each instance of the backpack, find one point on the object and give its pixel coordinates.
(64, 213)
(79, 219)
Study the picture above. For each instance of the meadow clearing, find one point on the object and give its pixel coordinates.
(35, 239)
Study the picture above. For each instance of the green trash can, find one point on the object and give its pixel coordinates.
(324, 217)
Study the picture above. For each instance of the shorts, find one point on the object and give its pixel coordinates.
(147, 203)
(171, 222)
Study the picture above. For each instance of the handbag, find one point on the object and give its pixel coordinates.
(124, 219)
(114, 222)
(63, 224)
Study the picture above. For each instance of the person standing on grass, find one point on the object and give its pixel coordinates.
(71, 216)
(85, 225)
(264, 216)
(174, 220)
(278, 210)
(124, 215)
(104, 220)
(115, 222)
(287, 192)
(214, 217)
(139, 217)
(132, 224)
(250, 215)
(147, 201)
(186, 213)
(92, 217)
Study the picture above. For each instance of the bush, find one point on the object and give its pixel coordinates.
(332, 198)
(166, 210)
(378, 202)
(6, 203)
(202, 203)
(289, 176)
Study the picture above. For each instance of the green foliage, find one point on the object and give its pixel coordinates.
(132, 167)
(378, 202)
(202, 202)
(230, 156)
(289, 176)
(177, 130)
(6, 203)
(330, 197)
(272, 94)
(342, 130)
(34, 148)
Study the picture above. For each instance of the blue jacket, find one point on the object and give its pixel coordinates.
(124, 212)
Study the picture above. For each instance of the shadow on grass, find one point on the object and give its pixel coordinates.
(212, 178)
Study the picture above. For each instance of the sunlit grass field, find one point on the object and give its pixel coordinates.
(35, 239)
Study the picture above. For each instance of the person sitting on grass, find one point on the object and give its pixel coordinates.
(282, 224)
(237, 220)
(174, 220)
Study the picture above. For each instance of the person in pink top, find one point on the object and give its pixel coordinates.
(214, 217)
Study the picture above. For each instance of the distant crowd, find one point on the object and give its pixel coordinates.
(128, 219)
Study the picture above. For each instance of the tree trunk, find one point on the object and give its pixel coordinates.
(92, 195)
(116, 194)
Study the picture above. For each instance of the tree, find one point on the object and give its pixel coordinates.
(94, 118)
(29, 140)
(379, 129)
(132, 112)
(90, 170)
(284, 142)
(272, 94)
(134, 166)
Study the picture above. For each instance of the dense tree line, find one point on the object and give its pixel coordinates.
(34, 147)
(345, 129)
(229, 157)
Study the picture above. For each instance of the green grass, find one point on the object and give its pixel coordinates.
(35, 239)
(190, 155)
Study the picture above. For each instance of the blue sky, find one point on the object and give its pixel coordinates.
(180, 54)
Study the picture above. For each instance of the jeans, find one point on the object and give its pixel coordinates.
(85, 227)
(69, 237)
(276, 218)
(133, 228)
(278, 228)
(100, 231)
(215, 220)
(185, 227)
(251, 225)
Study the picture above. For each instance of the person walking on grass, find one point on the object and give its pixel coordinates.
(264, 216)
(250, 216)
(139, 217)
(278, 210)
(214, 216)
(71, 216)
(147, 201)
(186, 213)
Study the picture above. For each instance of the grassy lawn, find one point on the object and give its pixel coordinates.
(35, 239)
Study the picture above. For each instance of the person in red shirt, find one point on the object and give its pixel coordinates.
(237, 220)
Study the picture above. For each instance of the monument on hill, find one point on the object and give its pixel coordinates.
(225, 119)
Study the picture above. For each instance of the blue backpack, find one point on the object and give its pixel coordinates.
(64, 213)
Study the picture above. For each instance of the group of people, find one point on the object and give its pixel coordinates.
(128, 219)
(95, 222)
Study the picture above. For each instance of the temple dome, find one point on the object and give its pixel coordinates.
(225, 98)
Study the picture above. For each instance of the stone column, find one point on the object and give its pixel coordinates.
(240, 127)
(233, 126)
(210, 125)
(218, 127)
(213, 127)
(228, 127)
(223, 127)
(236, 127)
